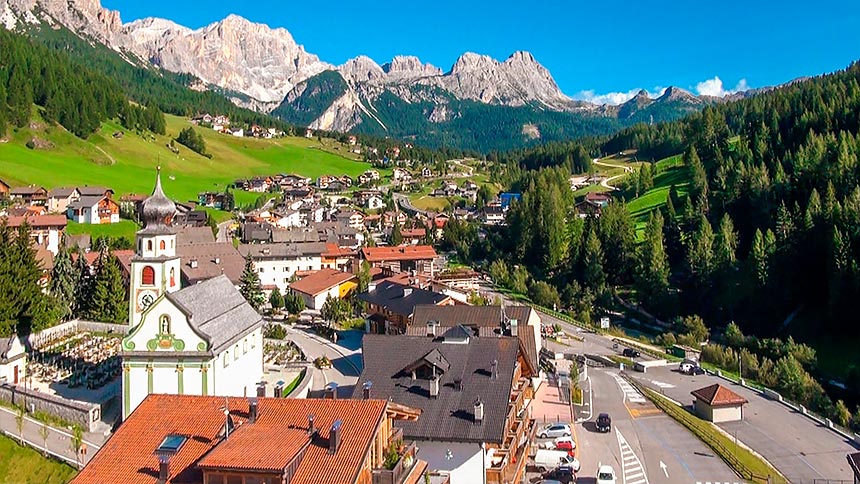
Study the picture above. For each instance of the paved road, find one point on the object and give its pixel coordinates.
(223, 229)
(404, 202)
(606, 183)
(641, 440)
(798, 447)
(345, 357)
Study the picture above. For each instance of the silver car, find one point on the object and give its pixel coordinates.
(555, 430)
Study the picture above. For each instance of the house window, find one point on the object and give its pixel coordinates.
(226, 360)
(164, 324)
(171, 244)
(253, 341)
(261, 270)
(245, 346)
(236, 352)
(147, 276)
(162, 245)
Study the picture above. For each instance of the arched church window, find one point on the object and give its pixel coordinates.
(149, 245)
(164, 324)
(172, 277)
(147, 276)
(161, 245)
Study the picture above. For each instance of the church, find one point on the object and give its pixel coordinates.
(203, 339)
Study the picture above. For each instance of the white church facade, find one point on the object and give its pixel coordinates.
(200, 340)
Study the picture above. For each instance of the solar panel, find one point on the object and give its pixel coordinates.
(171, 443)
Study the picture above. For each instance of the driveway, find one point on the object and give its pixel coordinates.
(801, 449)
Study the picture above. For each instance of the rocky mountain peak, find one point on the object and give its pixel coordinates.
(85, 17)
(471, 61)
(406, 67)
(674, 93)
(361, 69)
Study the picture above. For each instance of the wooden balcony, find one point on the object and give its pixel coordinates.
(401, 468)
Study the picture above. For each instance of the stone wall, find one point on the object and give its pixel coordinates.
(84, 414)
(76, 325)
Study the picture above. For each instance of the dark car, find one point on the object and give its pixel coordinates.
(604, 422)
(630, 353)
(697, 370)
(563, 474)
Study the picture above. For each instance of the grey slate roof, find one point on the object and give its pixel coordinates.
(86, 202)
(282, 250)
(486, 318)
(93, 191)
(391, 295)
(194, 235)
(229, 261)
(217, 310)
(450, 416)
(61, 192)
(81, 240)
(295, 236)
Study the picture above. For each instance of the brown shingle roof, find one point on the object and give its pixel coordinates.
(39, 221)
(717, 395)
(271, 441)
(410, 252)
(319, 281)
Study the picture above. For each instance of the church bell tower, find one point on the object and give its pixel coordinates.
(155, 265)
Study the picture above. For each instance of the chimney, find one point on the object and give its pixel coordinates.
(334, 436)
(407, 291)
(252, 409)
(479, 411)
(217, 260)
(194, 263)
(514, 324)
(366, 389)
(261, 389)
(434, 387)
(163, 467)
(371, 286)
(311, 429)
(330, 391)
(431, 328)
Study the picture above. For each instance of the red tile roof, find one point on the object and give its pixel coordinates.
(39, 221)
(414, 233)
(268, 444)
(332, 251)
(321, 280)
(717, 395)
(408, 252)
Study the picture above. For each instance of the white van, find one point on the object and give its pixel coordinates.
(546, 459)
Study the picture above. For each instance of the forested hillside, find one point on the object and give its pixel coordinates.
(766, 232)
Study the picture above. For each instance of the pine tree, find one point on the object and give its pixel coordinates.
(249, 285)
(276, 299)
(84, 285)
(396, 235)
(109, 303)
(594, 277)
(64, 277)
(700, 252)
(759, 259)
(653, 268)
(23, 306)
(698, 180)
(725, 254)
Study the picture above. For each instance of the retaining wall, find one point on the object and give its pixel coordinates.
(84, 414)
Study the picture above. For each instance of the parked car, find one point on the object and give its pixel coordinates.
(697, 370)
(630, 353)
(550, 459)
(604, 422)
(555, 430)
(605, 475)
(563, 474)
(565, 443)
(691, 368)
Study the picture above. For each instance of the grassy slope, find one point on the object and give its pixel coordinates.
(127, 164)
(670, 171)
(24, 465)
(125, 228)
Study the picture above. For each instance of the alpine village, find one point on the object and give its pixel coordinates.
(224, 260)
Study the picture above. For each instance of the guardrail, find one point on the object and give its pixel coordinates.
(688, 421)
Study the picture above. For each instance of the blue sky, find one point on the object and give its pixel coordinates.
(600, 50)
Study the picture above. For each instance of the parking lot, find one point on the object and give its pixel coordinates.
(801, 449)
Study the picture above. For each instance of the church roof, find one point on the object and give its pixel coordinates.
(158, 211)
(216, 309)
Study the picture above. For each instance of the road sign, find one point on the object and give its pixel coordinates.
(604, 323)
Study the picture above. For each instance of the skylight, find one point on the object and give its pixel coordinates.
(171, 444)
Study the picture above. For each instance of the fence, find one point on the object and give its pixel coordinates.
(691, 423)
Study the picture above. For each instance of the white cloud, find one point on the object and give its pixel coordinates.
(714, 87)
(615, 97)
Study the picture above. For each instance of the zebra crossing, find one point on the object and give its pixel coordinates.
(632, 470)
(631, 394)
